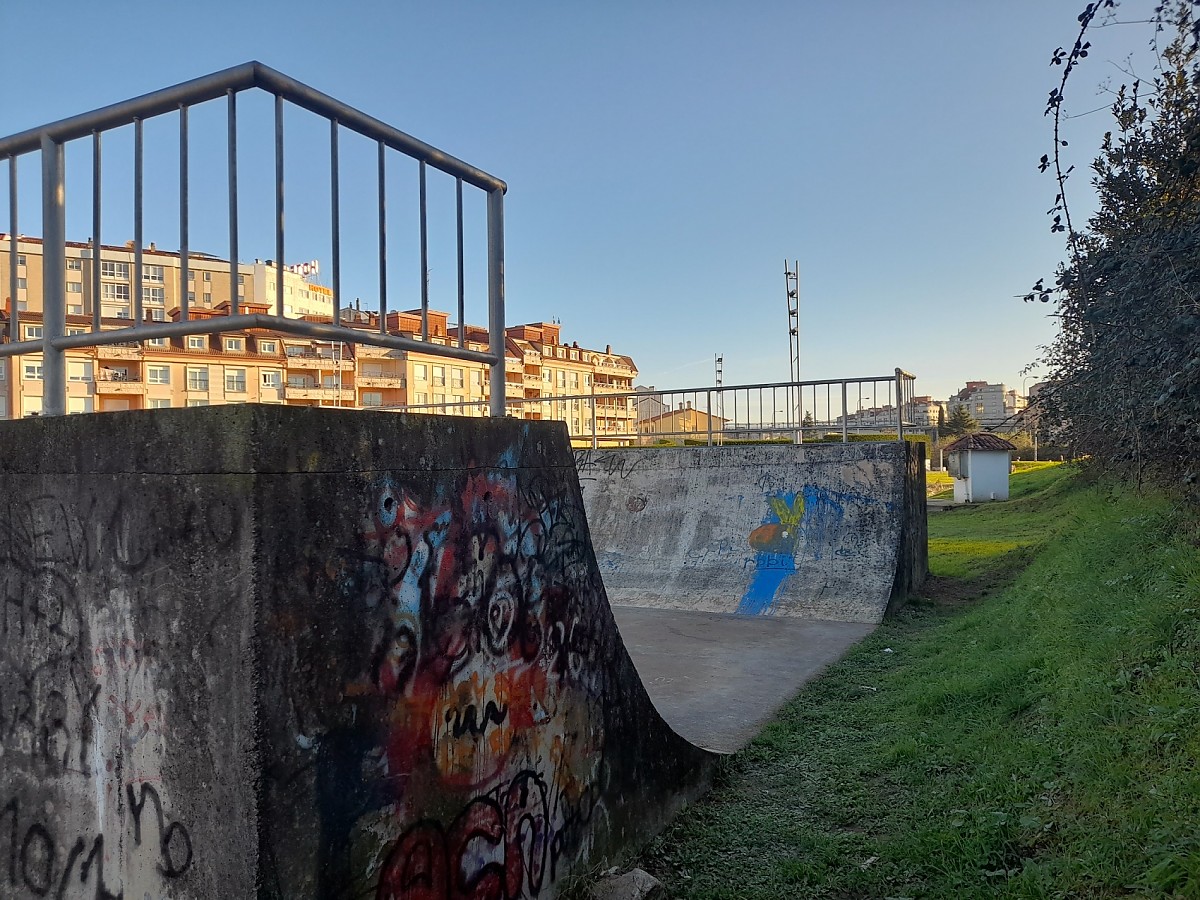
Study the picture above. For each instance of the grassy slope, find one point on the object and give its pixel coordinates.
(1042, 742)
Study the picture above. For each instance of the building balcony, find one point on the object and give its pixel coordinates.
(292, 392)
(318, 362)
(381, 381)
(118, 351)
(512, 389)
(130, 384)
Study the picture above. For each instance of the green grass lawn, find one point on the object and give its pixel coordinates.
(1040, 742)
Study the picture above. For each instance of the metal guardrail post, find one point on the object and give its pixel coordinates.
(54, 277)
(708, 407)
(14, 317)
(595, 440)
(845, 417)
(495, 251)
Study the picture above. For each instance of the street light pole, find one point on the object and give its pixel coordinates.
(1031, 419)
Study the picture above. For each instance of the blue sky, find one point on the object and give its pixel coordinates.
(663, 160)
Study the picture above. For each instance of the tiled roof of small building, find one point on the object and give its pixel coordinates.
(980, 441)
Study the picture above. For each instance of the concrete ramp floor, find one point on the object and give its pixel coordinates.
(717, 678)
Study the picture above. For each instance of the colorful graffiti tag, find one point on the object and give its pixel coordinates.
(775, 544)
(490, 759)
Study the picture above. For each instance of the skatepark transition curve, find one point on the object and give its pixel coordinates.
(834, 532)
(277, 652)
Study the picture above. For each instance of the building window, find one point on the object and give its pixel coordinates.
(117, 292)
(235, 345)
(70, 331)
(152, 273)
(33, 332)
(33, 371)
(197, 403)
(153, 294)
(79, 371)
(439, 376)
(420, 398)
(197, 342)
(241, 279)
(74, 287)
(158, 374)
(372, 398)
(74, 265)
(456, 378)
(271, 378)
(156, 342)
(268, 347)
(476, 377)
(22, 284)
(197, 379)
(439, 398)
(21, 259)
(420, 372)
(158, 315)
(208, 276)
(191, 296)
(76, 405)
(158, 403)
(207, 298)
(109, 269)
(235, 381)
(191, 274)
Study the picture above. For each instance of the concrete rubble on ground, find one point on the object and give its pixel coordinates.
(636, 884)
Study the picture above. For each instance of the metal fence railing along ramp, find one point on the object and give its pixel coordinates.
(812, 531)
(178, 105)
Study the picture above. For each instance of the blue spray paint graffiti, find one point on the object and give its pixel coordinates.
(775, 540)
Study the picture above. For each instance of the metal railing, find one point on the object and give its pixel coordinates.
(50, 142)
(787, 411)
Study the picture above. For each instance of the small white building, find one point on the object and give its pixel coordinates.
(980, 464)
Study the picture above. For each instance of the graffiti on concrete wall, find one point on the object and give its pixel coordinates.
(484, 772)
(774, 543)
(84, 811)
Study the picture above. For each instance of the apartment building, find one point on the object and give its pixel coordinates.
(924, 411)
(991, 405)
(545, 379)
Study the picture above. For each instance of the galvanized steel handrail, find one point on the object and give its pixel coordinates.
(50, 139)
(244, 77)
(710, 401)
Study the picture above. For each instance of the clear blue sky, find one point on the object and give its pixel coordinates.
(663, 159)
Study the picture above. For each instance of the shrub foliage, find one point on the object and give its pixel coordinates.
(1125, 367)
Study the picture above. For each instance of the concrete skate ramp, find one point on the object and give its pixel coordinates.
(817, 531)
(258, 651)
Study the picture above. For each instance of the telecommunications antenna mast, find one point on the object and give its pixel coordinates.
(791, 277)
(792, 281)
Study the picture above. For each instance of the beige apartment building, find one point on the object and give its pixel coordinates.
(545, 379)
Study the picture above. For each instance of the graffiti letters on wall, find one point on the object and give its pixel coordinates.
(84, 811)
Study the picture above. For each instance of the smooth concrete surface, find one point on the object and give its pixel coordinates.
(821, 531)
(717, 678)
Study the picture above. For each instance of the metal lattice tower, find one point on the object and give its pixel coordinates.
(791, 278)
(792, 282)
